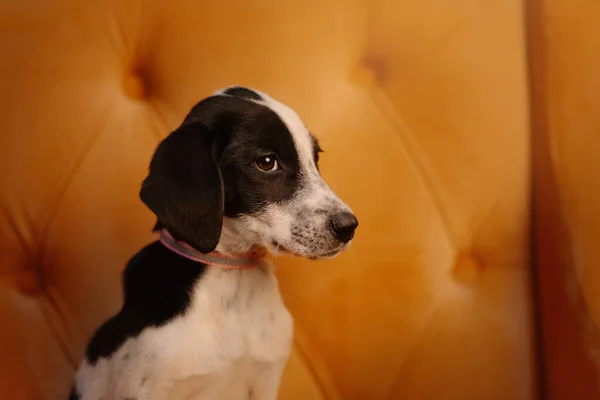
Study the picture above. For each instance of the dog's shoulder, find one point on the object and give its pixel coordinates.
(156, 285)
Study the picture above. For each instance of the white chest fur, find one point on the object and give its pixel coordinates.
(235, 314)
(232, 343)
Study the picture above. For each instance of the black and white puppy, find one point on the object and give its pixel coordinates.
(240, 173)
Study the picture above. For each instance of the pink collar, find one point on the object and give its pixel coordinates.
(215, 259)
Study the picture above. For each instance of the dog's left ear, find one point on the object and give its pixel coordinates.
(184, 186)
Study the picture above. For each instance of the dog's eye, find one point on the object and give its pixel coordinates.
(267, 163)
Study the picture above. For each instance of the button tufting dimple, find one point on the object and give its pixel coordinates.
(377, 68)
(31, 282)
(362, 77)
(466, 267)
(137, 85)
(370, 71)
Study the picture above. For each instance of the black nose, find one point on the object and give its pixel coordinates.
(344, 224)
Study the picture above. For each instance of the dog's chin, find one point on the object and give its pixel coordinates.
(325, 256)
(277, 249)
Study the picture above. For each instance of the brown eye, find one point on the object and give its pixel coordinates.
(267, 163)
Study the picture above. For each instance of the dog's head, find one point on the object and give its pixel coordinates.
(242, 171)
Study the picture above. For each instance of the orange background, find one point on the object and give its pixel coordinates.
(464, 134)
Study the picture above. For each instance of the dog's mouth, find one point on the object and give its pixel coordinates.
(280, 249)
(325, 256)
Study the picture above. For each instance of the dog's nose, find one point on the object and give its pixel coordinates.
(344, 224)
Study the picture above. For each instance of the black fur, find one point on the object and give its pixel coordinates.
(184, 186)
(157, 284)
(206, 168)
(248, 189)
(243, 93)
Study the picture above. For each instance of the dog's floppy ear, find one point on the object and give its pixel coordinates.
(184, 186)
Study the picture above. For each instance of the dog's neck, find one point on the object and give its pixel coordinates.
(235, 240)
(215, 258)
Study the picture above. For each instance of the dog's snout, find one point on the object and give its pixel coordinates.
(344, 224)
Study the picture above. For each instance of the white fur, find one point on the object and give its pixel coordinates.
(232, 343)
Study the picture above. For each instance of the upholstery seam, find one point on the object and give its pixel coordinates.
(43, 235)
(161, 120)
(532, 25)
(10, 222)
(413, 351)
(64, 186)
(61, 316)
(381, 102)
(302, 355)
(54, 330)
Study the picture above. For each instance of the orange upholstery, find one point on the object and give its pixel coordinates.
(567, 161)
(423, 110)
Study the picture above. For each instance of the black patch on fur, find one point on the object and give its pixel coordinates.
(157, 284)
(184, 187)
(73, 394)
(243, 93)
(247, 188)
(206, 169)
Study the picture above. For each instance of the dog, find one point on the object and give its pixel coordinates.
(202, 316)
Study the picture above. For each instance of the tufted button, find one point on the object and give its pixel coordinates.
(374, 70)
(466, 267)
(137, 85)
(31, 282)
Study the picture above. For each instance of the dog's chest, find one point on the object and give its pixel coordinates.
(233, 339)
(236, 317)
